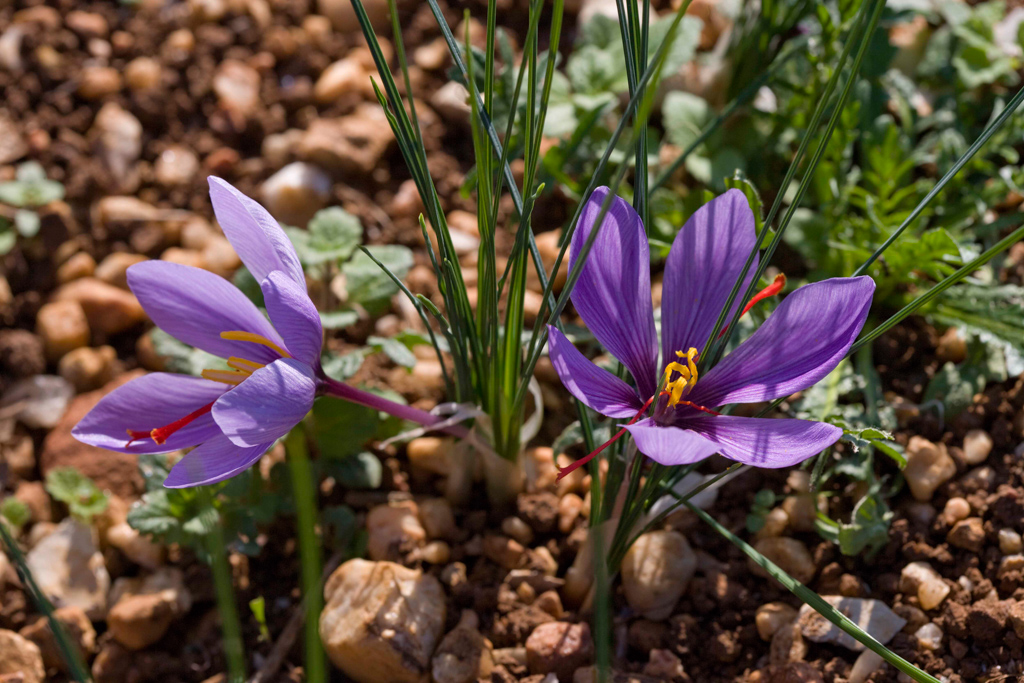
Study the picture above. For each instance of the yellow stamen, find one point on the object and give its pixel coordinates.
(677, 388)
(232, 377)
(242, 365)
(255, 339)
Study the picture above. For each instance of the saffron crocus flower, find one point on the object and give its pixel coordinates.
(230, 417)
(803, 340)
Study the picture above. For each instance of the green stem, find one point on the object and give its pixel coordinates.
(231, 627)
(67, 650)
(304, 491)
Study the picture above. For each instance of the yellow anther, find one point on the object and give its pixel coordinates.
(677, 388)
(242, 365)
(231, 377)
(255, 339)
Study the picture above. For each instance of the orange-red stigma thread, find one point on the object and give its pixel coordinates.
(565, 471)
(771, 290)
(161, 434)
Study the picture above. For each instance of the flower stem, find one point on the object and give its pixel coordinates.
(304, 489)
(231, 628)
(371, 400)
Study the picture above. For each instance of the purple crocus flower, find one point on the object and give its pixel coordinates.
(231, 417)
(803, 340)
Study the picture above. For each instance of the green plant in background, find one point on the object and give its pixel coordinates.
(29, 191)
(84, 499)
(14, 513)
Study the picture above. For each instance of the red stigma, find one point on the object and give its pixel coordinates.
(161, 434)
(771, 290)
(565, 471)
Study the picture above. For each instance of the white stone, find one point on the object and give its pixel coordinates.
(872, 616)
(296, 192)
(69, 568)
(918, 578)
(1010, 542)
(929, 636)
(655, 573)
(867, 663)
(382, 621)
(977, 446)
(40, 401)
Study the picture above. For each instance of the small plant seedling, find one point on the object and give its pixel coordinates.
(84, 499)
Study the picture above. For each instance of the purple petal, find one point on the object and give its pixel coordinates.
(195, 306)
(670, 445)
(801, 342)
(216, 460)
(268, 404)
(763, 441)
(706, 259)
(255, 235)
(596, 387)
(146, 403)
(294, 316)
(613, 293)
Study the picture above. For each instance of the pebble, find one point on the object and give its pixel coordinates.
(343, 76)
(430, 453)
(143, 73)
(550, 602)
(559, 648)
(19, 455)
(220, 257)
(237, 86)
(952, 348)
(296, 192)
(63, 326)
(431, 56)
(451, 102)
(503, 551)
(382, 621)
(278, 149)
(79, 265)
(114, 268)
(517, 529)
(343, 17)
(569, 508)
(789, 554)
(43, 400)
(770, 617)
(109, 310)
(21, 353)
(968, 534)
(435, 552)
(655, 573)
(98, 82)
(20, 659)
(393, 530)
(76, 625)
(928, 467)
(929, 636)
(977, 446)
(775, 524)
(69, 568)
(437, 518)
(176, 165)
(143, 609)
(956, 509)
(33, 494)
(119, 136)
(873, 616)
(1010, 542)
(868, 662)
(352, 145)
(918, 578)
(88, 368)
(464, 655)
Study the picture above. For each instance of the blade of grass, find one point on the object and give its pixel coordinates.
(815, 601)
(68, 651)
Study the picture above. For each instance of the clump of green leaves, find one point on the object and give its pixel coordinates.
(30, 190)
(764, 501)
(83, 497)
(14, 513)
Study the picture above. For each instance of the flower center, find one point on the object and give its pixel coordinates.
(681, 385)
(240, 370)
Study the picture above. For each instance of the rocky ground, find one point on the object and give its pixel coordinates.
(130, 106)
